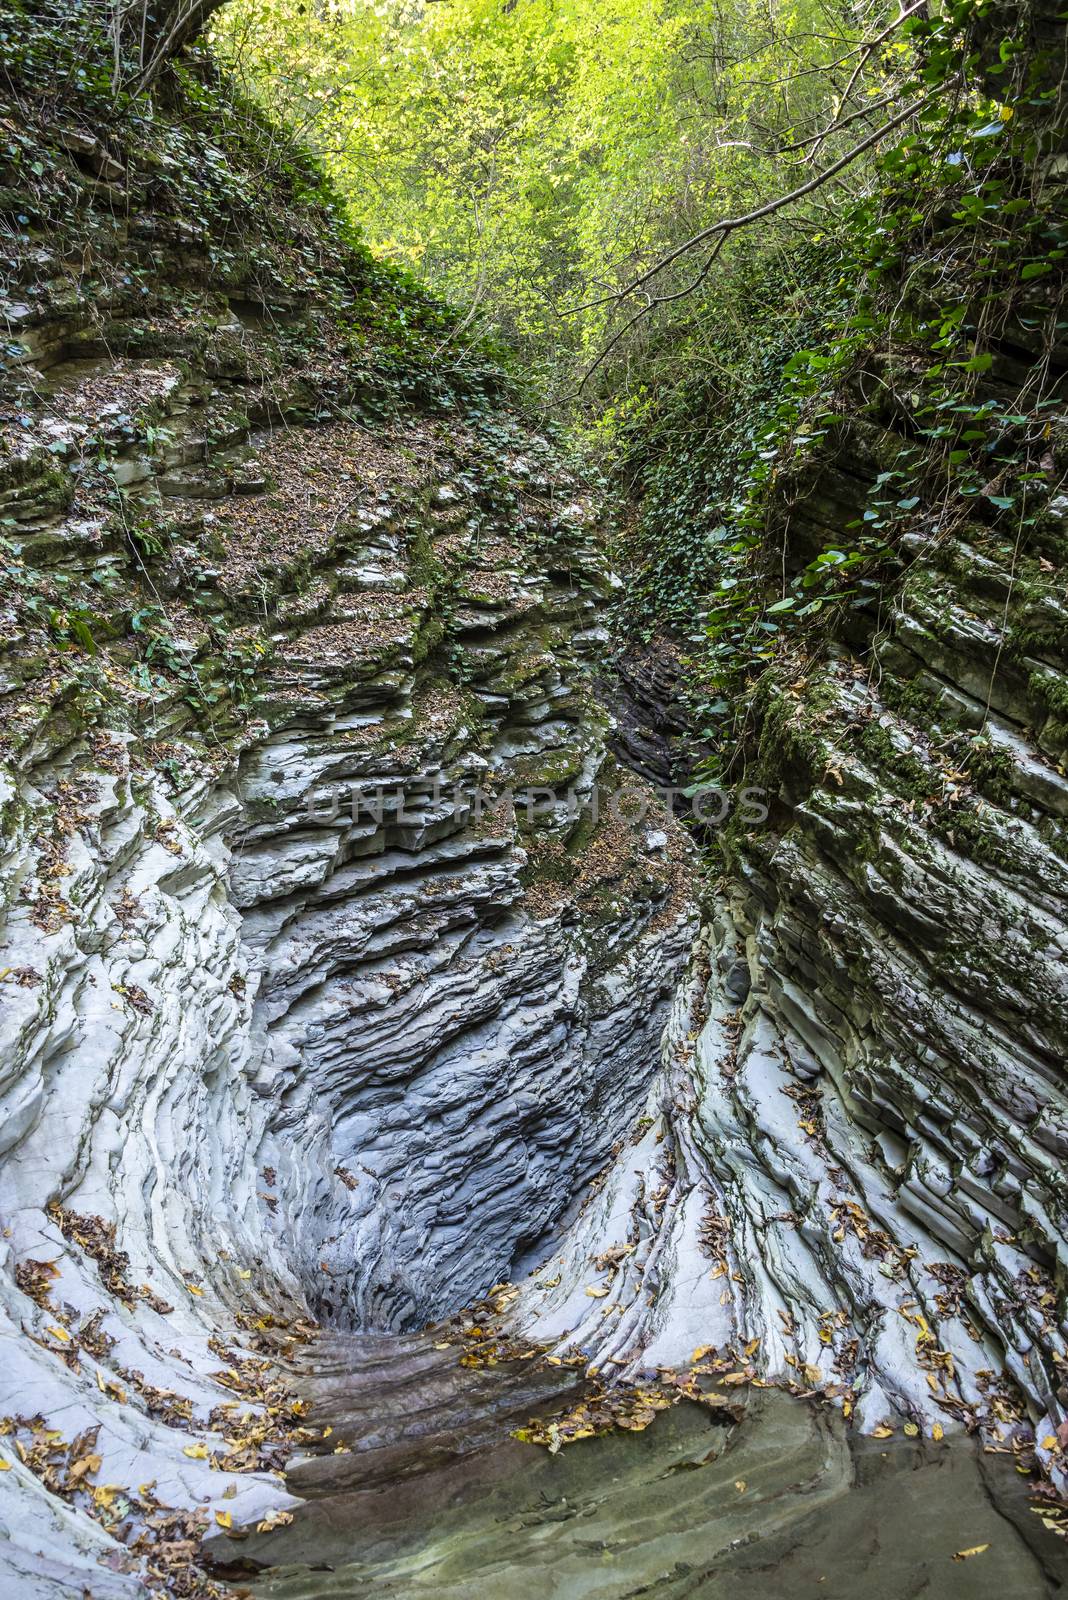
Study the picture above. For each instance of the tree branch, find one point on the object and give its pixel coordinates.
(728, 225)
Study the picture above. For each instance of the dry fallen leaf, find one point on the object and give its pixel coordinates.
(225, 1519)
(938, 1432)
(596, 1294)
(274, 1519)
(199, 1452)
(974, 1550)
(881, 1432)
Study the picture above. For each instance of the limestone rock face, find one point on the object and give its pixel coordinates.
(337, 949)
(336, 952)
(851, 1171)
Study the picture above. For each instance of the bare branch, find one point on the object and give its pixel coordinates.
(727, 225)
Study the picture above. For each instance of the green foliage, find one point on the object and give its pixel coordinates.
(898, 349)
(523, 158)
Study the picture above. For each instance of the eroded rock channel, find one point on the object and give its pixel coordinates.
(348, 977)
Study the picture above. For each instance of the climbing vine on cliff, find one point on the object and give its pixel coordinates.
(905, 358)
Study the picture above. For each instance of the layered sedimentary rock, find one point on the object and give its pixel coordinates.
(335, 955)
(338, 949)
(851, 1172)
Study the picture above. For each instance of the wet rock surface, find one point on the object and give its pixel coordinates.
(784, 1501)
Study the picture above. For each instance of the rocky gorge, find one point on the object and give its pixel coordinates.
(383, 1072)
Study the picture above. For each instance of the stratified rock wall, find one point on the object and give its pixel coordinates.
(326, 982)
(852, 1172)
(337, 949)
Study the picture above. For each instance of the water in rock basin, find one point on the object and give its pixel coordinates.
(435, 1499)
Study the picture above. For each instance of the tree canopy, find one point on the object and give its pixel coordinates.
(527, 157)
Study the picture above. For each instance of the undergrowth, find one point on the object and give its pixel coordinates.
(914, 362)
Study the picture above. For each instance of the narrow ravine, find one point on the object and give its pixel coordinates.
(426, 1161)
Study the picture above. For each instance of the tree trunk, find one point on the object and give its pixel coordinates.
(149, 33)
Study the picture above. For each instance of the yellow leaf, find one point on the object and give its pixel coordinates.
(274, 1519)
(596, 1294)
(59, 1333)
(740, 1485)
(881, 1432)
(247, 1273)
(911, 1429)
(1049, 1442)
(975, 1550)
(85, 1465)
(938, 1433)
(225, 1519)
(199, 1452)
(5, 1466)
(193, 1289)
